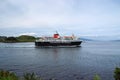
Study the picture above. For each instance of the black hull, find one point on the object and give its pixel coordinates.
(57, 44)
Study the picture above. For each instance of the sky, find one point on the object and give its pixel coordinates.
(86, 18)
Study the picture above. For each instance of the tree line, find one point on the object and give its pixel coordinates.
(22, 38)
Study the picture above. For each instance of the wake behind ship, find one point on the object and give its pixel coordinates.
(58, 41)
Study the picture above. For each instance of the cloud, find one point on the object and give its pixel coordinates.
(31, 13)
(94, 17)
(28, 33)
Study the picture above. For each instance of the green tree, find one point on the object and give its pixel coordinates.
(31, 76)
(11, 39)
(96, 77)
(6, 75)
(117, 73)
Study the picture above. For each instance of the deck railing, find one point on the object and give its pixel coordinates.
(56, 40)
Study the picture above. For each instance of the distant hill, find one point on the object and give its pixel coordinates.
(22, 38)
(26, 38)
(115, 40)
(86, 39)
(2, 38)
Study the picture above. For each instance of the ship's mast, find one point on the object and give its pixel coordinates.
(57, 32)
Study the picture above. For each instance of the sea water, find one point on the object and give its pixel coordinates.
(80, 63)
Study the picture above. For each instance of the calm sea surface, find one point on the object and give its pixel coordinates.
(80, 63)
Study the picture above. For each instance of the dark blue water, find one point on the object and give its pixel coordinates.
(80, 63)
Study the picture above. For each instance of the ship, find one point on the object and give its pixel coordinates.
(58, 41)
